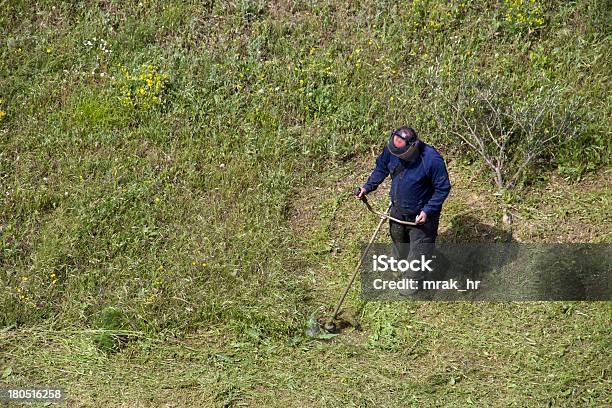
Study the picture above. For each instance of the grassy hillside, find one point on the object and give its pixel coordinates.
(174, 183)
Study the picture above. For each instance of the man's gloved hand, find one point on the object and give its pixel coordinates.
(360, 193)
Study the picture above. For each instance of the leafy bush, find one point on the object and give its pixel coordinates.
(509, 131)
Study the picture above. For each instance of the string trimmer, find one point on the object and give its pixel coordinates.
(314, 329)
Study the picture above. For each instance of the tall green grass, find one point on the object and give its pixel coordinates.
(175, 214)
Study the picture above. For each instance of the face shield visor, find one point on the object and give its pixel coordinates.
(408, 152)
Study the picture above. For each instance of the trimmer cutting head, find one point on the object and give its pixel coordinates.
(319, 330)
(330, 327)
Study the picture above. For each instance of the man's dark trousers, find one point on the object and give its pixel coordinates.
(410, 242)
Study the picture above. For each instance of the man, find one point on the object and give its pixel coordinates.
(419, 186)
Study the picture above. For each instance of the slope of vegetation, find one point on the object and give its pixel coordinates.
(174, 181)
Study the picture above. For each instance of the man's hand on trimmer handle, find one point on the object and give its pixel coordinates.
(359, 193)
(421, 218)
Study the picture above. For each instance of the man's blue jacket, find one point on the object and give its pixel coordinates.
(423, 185)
